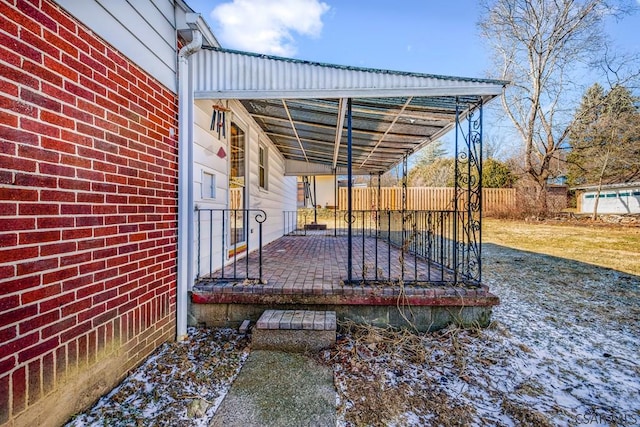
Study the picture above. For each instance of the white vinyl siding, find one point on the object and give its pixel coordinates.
(208, 150)
(143, 30)
(325, 193)
(210, 157)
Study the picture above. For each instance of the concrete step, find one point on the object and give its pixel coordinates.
(295, 330)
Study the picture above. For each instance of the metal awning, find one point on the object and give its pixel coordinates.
(301, 106)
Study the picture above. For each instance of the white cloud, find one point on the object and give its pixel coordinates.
(267, 26)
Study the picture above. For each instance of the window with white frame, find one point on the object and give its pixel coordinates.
(263, 169)
(208, 185)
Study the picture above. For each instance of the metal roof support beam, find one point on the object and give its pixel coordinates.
(342, 109)
(323, 126)
(456, 192)
(293, 127)
(298, 167)
(416, 112)
(378, 205)
(349, 196)
(335, 202)
(393, 145)
(395, 119)
(405, 232)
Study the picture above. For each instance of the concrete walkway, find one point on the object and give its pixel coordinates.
(279, 389)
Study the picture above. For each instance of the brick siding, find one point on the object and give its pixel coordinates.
(88, 205)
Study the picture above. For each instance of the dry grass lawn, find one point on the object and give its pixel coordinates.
(611, 246)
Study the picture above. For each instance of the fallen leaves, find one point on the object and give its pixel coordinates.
(182, 383)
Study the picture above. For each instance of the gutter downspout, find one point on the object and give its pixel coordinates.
(185, 183)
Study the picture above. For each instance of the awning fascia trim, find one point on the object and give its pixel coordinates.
(479, 90)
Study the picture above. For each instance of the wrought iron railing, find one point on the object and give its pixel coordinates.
(412, 247)
(225, 239)
(292, 225)
(388, 246)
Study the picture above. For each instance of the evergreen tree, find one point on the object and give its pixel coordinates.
(605, 143)
(496, 174)
(439, 173)
(430, 153)
(432, 168)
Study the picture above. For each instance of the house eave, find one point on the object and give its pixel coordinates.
(605, 186)
(488, 91)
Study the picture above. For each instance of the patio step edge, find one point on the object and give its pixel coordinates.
(452, 297)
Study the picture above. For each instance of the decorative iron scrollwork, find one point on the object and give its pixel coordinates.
(349, 218)
(468, 194)
(260, 216)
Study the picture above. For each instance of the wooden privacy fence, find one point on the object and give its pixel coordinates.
(423, 198)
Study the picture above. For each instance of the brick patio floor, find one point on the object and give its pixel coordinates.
(316, 264)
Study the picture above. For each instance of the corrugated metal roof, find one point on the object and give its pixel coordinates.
(229, 74)
(300, 105)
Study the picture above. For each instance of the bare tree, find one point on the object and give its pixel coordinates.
(539, 45)
(495, 145)
(620, 69)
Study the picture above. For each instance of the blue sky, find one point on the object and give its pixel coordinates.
(428, 36)
(425, 36)
(436, 36)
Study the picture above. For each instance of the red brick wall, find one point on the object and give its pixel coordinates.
(88, 174)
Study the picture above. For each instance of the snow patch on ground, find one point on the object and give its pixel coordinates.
(562, 351)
